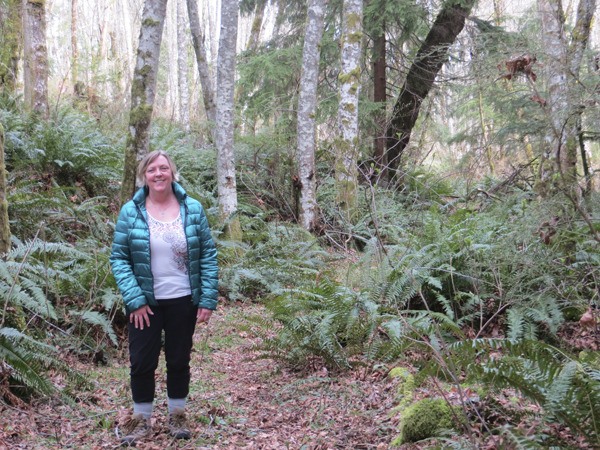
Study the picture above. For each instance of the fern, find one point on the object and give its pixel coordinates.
(96, 319)
(29, 361)
(280, 257)
(25, 357)
(567, 389)
(326, 321)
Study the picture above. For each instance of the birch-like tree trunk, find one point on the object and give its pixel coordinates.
(346, 166)
(552, 21)
(307, 106)
(226, 179)
(143, 91)
(35, 64)
(380, 97)
(4, 223)
(564, 103)
(206, 79)
(182, 67)
(74, 49)
(257, 22)
(10, 43)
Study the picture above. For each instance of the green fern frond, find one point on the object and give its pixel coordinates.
(517, 440)
(25, 357)
(568, 390)
(327, 321)
(94, 318)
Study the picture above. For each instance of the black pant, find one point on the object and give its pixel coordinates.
(177, 317)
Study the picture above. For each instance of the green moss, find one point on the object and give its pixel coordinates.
(353, 20)
(353, 38)
(349, 107)
(424, 419)
(150, 22)
(347, 77)
(406, 387)
(140, 114)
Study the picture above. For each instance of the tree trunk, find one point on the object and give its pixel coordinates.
(35, 65)
(226, 178)
(579, 41)
(564, 106)
(4, 223)
(307, 106)
(380, 97)
(74, 50)
(182, 67)
(10, 43)
(563, 63)
(430, 58)
(208, 91)
(143, 91)
(254, 38)
(346, 170)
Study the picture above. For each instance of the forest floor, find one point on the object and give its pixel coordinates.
(237, 401)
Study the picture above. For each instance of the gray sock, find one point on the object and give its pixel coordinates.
(145, 409)
(175, 403)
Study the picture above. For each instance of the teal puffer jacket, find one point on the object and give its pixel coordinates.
(130, 255)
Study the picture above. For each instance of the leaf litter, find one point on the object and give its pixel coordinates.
(237, 401)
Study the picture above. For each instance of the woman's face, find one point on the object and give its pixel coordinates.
(159, 175)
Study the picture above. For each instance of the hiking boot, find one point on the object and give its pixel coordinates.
(133, 429)
(178, 425)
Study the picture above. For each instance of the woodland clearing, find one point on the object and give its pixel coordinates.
(237, 401)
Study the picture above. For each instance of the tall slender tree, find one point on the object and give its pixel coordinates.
(35, 64)
(10, 42)
(4, 223)
(346, 169)
(143, 91)
(307, 106)
(379, 65)
(226, 176)
(563, 58)
(74, 49)
(182, 66)
(206, 79)
(430, 58)
(257, 23)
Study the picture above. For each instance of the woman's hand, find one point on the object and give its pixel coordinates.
(141, 316)
(204, 315)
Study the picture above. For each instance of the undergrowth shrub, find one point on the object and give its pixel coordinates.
(567, 388)
(321, 324)
(25, 363)
(41, 285)
(69, 150)
(274, 256)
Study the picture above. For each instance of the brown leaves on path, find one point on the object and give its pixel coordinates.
(237, 401)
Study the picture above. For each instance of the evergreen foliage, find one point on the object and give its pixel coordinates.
(323, 324)
(273, 257)
(566, 387)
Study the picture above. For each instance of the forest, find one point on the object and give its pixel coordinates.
(404, 197)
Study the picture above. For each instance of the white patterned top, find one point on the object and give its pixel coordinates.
(169, 258)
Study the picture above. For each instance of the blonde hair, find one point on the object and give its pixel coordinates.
(149, 159)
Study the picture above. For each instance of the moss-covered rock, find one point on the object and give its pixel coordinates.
(424, 419)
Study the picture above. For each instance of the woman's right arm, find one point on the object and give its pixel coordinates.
(121, 264)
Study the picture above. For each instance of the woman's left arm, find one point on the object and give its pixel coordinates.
(209, 271)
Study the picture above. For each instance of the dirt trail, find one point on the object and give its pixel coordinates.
(237, 401)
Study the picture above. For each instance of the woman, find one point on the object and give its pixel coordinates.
(165, 263)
